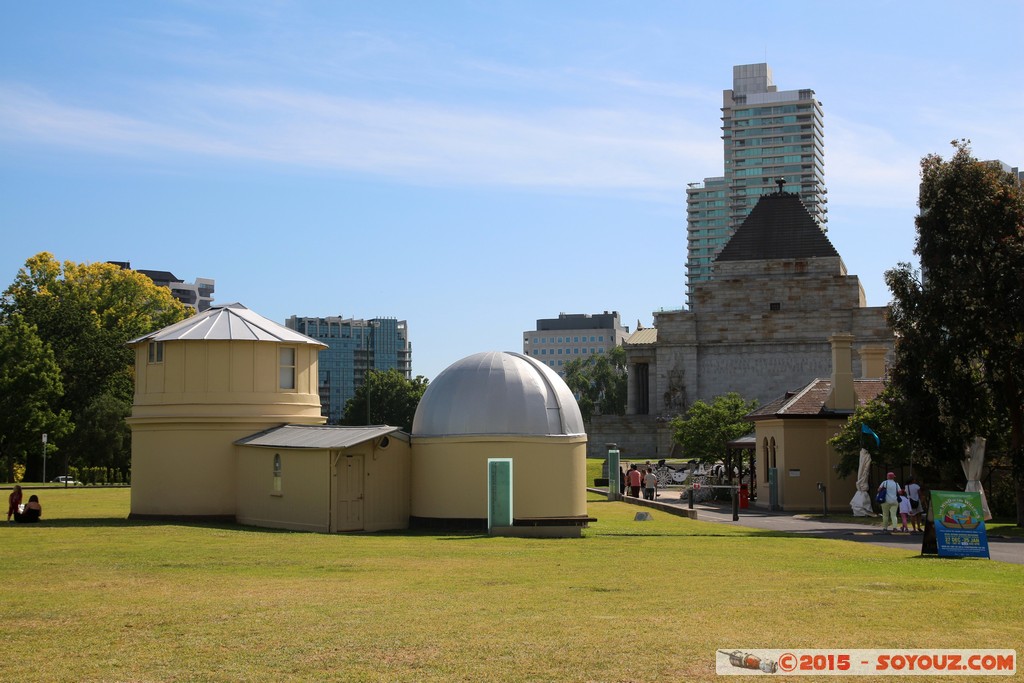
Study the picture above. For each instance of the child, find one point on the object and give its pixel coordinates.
(904, 508)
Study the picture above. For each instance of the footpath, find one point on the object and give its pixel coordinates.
(1002, 549)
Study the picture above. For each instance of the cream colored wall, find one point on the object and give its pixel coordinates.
(231, 378)
(388, 484)
(309, 481)
(802, 444)
(304, 500)
(185, 469)
(449, 476)
(189, 410)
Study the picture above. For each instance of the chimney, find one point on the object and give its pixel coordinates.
(842, 396)
(872, 362)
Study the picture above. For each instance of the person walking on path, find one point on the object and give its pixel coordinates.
(635, 481)
(650, 484)
(914, 494)
(891, 502)
(904, 509)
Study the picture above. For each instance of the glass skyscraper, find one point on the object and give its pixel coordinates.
(354, 347)
(768, 134)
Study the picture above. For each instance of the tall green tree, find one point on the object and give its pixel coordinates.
(599, 383)
(30, 389)
(876, 414)
(85, 313)
(386, 397)
(705, 429)
(959, 321)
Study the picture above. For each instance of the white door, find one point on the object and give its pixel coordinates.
(349, 510)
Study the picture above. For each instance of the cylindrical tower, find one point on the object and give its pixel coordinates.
(202, 384)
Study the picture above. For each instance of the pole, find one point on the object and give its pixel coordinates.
(613, 471)
(735, 503)
(44, 457)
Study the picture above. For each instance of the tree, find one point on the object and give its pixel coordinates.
(86, 313)
(386, 397)
(959, 322)
(705, 429)
(30, 388)
(599, 383)
(876, 414)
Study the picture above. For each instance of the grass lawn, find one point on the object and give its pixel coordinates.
(89, 596)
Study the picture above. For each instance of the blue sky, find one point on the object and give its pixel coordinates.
(468, 166)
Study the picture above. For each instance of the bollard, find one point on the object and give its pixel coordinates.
(690, 494)
(735, 503)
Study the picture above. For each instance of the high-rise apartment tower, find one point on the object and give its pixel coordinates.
(354, 347)
(768, 134)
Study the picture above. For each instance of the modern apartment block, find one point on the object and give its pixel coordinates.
(197, 295)
(556, 341)
(767, 134)
(354, 347)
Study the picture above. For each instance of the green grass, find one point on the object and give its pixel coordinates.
(90, 596)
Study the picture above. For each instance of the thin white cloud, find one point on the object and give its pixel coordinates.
(578, 148)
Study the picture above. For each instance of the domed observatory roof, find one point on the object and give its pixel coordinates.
(497, 392)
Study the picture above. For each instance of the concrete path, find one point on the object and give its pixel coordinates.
(1001, 549)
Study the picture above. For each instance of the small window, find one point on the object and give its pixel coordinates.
(277, 473)
(775, 306)
(156, 352)
(287, 368)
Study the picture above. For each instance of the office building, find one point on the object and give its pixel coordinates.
(354, 347)
(196, 295)
(556, 341)
(767, 134)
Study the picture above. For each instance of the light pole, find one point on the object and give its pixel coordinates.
(44, 457)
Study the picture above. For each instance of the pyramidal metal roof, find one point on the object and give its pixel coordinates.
(778, 227)
(229, 322)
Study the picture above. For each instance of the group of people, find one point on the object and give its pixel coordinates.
(23, 512)
(637, 481)
(904, 501)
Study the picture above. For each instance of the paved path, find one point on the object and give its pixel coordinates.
(1001, 549)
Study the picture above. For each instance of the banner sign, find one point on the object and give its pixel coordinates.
(959, 524)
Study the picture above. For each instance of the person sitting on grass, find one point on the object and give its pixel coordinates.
(13, 502)
(31, 511)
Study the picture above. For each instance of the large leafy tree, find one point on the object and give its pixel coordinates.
(85, 313)
(891, 449)
(706, 428)
(386, 397)
(30, 389)
(959, 321)
(599, 382)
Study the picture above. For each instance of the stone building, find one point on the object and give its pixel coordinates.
(760, 325)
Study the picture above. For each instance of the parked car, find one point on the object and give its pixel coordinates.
(67, 481)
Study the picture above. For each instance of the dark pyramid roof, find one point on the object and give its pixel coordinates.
(778, 227)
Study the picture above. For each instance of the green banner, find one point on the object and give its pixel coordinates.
(959, 524)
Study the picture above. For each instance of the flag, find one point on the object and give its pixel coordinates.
(864, 429)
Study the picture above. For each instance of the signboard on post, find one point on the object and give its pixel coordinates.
(499, 492)
(959, 524)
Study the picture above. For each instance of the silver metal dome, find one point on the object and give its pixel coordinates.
(497, 392)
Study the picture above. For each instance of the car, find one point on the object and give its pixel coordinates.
(67, 481)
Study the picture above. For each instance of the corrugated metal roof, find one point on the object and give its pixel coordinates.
(645, 336)
(231, 322)
(316, 436)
